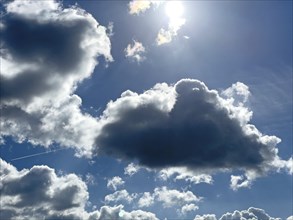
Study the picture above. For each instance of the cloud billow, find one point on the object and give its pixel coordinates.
(46, 50)
(185, 125)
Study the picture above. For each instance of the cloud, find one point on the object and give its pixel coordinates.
(135, 52)
(182, 173)
(119, 196)
(139, 6)
(146, 200)
(205, 217)
(40, 71)
(187, 125)
(166, 35)
(115, 183)
(290, 217)
(172, 197)
(251, 213)
(188, 208)
(119, 214)
(131, 169)
(39, 193)
(39, 190)
(174, 10)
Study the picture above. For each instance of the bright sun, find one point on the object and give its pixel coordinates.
(174, 9)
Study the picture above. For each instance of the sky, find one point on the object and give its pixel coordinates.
(146, 110)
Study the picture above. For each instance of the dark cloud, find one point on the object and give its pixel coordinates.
(200, 130)
(39, 193)
(46, 51)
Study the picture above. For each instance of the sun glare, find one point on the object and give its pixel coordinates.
(174, 9)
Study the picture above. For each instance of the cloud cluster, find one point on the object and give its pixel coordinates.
(46, 50)
(188, 125)
(251, 213)
(135, 51)
(39, 193)
(170, 198)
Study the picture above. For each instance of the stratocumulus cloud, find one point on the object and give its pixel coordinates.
(187, 125)
(39, 193)
(46, 51)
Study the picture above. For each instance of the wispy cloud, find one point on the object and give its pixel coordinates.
(135, 51)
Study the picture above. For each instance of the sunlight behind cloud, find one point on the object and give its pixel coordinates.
(174, 9)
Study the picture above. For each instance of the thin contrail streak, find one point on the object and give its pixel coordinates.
(33, 155)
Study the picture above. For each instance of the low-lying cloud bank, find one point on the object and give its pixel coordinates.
(188, 125)
(39, 193)
(249, 214)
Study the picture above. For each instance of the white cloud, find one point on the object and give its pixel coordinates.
(135, 51)
(118, 213)
(115, 183)
(139, 6)
(146, 200)
(166, 35)
(131, 169)
(119, 196)
(188, 208)
(182, 173)
(90, 179)
(205, 217)
(172, 197)
(38, 103)
(290, 217)
(251, 213)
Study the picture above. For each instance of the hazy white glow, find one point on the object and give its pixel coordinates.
(174, 9)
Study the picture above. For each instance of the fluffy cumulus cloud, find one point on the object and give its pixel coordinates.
(131, 169)
(39, 193)
(120, 196)
(249, 214)
(115, 183)
(188, 208)
(205, 217)
(169, 198)
(188, 125)
(46, 50)
(135, 51)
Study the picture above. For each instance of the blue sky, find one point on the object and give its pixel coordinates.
(146, 110)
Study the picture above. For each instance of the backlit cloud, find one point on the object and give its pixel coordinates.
(135, 51)
(139, 6)
(188, 125)
(40, 70)
(39, 193)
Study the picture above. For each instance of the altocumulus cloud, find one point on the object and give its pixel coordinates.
(39, 193)
(188, 125)
(46, 51)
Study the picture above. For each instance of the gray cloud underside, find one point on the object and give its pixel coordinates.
(39, 193)
(183, 125)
